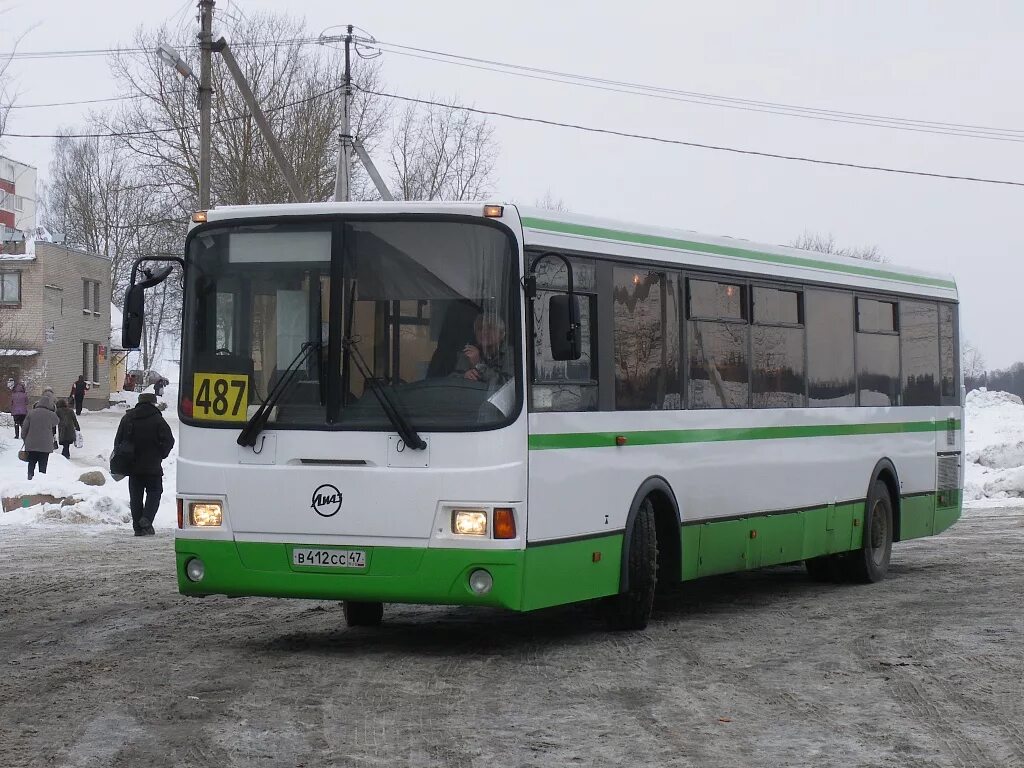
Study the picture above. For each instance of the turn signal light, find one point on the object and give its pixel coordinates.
(181, 513)
(504, 523)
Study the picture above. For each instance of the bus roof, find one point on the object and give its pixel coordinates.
(545, 228)
(555, 229)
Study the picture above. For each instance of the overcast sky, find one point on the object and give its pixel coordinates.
(945, 62)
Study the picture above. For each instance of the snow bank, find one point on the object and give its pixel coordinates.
(93, 506)
(994, 439)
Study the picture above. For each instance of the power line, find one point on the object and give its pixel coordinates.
(88, 52)
(158, 131)
(76, 103)
(707, 99)
(697, 145)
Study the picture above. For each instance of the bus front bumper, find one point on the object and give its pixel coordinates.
(391, 575)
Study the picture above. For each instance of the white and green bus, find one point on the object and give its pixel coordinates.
(479, 404)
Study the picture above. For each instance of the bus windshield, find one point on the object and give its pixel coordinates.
(428, 306)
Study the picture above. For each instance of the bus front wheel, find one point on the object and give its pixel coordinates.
(359, 614)
(631, 609)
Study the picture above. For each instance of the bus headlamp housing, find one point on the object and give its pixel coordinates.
(205, 514)
(469, 522)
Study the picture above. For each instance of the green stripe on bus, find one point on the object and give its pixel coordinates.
(723, 250)
(673, 436)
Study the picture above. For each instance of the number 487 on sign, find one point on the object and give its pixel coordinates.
(220, 396)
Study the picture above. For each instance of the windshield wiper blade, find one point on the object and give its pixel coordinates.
(402, 426)
(253, 427)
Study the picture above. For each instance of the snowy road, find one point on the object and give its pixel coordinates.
(103, 663)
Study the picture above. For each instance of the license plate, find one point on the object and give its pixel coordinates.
(329, 558)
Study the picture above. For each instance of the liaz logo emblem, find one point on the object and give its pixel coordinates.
(326, 501)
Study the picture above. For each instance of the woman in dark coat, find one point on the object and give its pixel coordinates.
(67, 427)
(78, 393)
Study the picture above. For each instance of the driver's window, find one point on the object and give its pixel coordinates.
(564, 385)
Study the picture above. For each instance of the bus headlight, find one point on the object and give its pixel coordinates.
(205, 513)
(471, 522)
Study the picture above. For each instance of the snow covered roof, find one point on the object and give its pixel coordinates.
(18, 352)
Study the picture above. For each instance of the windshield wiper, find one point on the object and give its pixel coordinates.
(402, 426)
(251, 430)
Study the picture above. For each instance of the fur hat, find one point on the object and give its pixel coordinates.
(147, 397)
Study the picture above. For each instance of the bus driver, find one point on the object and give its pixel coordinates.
(485, 359)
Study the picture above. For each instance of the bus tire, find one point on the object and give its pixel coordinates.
(631, 609)
(870, 563)
(360, 614)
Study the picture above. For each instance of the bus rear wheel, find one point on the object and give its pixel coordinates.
(360, 614)
(870, 563)
(632, 609)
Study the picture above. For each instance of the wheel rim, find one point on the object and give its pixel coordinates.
(879, 532)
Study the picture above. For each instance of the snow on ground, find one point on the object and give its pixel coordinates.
(994, 468)
(100, 506)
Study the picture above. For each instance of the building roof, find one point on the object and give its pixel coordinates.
(18, 352)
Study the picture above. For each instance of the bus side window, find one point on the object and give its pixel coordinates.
(919, 352)
(878, 353)
(564, 385)
(718, 335)
(646, 339)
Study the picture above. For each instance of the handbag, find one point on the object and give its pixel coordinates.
(123, 456)
(23, 454)
(79, 442)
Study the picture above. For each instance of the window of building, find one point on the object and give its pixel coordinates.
(91, 362)
(646, 339)
(717, 345)
(564, 385)
(778, 377)
(830, 369)
(10, 288)
(19, 203)
(919, 352)
(878, 353)
(6, 200)
(947, 355)
(91, 297)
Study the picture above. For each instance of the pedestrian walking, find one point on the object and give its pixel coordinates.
(19, 407)
(37, 431)
(78, 390)
(142, 442)
(67, 427)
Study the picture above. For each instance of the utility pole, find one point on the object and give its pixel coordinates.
(205, 94)
(342, 191)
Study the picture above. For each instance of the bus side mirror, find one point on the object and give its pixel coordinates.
(564, 327)
(131, 322)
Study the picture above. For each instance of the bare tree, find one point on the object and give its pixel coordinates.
(298, 88)
(552, 203)
(813, 241)
(442, 153)
(6, 97)
(972, 362)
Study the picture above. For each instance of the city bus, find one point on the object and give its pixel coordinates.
(483, 404)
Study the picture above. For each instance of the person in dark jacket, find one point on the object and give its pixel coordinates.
(78, 390)
(152, 439)
(37, 432)
(67, 427)
(19, 407)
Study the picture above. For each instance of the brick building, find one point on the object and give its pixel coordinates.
(54, 320)
(17, 196)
